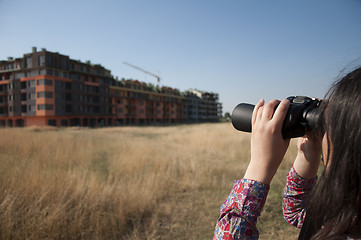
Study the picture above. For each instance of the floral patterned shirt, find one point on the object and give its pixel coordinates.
(293, 203)
(239, 212)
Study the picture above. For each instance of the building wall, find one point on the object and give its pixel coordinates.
(134, 105)
(45, 88)
(201, 106)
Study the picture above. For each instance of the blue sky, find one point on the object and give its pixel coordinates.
(243, 50)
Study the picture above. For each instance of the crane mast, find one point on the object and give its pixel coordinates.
(142, 70)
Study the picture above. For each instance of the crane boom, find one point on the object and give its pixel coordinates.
(142, 70)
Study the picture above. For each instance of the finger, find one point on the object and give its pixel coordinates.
(270, 108)
(301, 141)
(281, 112)
(259, 114)
(256, 109)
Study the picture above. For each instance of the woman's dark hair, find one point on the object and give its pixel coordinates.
(335, 202)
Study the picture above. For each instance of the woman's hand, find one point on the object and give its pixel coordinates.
(267, 144)
(308, 156)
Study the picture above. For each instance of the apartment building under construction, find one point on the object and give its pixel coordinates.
(45, 88)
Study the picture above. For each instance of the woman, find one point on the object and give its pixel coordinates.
(333, 205)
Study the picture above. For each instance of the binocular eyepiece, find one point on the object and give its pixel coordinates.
(304, 114)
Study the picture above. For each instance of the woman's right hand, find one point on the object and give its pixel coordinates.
(268, 146)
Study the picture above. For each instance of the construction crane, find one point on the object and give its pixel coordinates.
(141, 69)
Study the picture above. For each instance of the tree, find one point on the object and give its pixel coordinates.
(227, 116)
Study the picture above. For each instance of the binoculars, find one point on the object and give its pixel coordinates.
(304, 114)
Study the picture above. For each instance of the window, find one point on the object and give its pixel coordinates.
(31, 83)
(41, 60)
(23, 96)
(67, 85)
(29, 62)
(68, 97)
(19, 75)
(52, 122)
(45, 94)
(45, 82)
(45, 107)
(49, 61)
(31, 95)
(64, 63)
(59, 95)
(64, 123)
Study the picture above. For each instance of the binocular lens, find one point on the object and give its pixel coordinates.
(242, 117)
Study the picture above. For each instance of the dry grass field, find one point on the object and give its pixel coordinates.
(126, 182)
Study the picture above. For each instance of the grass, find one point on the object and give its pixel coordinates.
(127, 182)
